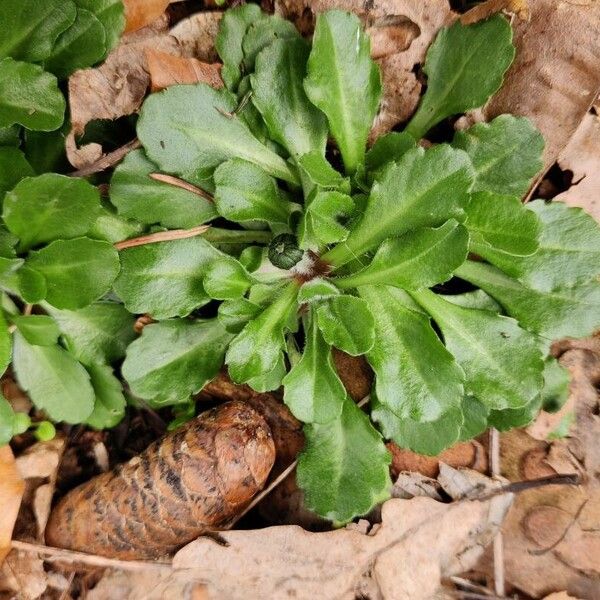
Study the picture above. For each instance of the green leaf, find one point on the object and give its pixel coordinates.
(99, 333)
(109, 402)
(45, 150)
(312, 389)
(226, 279)
(175, 359)
(415, 260)
(5, 344)
(317, 172)
(415, 376)
(245, 193)
(475, 299)
(552, 314)
(31, 285)
(503, 420)
(269, 381)
(502, 362)
(232, 29)
(187, 130)
(262, 33)
(50, 207)
(29, 96)
(7, 419)
(111, 227)
(556, 385)
(54, 380)
(344, 82)
(80, 46)
(165, 279)
(327, 213)
(501, 229)
(39, 330)
(256, 350)
(347, 323)
(569, 248)
(111, 13)
(234, 314)
(424, 188)
(343, 469)
(77, 272)
(13, 168)
(30, 27)
(10, 136)
(386, 149)
(506, 154)
(465, 66)
(429, 438)
(475, 418)
(315, 290)
(279, 95)
(137, 196)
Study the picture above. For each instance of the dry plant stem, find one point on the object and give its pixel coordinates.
(499, 585)
(470, 586)
(162, 236)
(108, 160)
(58, 554)
(529, 484)
(180, 183)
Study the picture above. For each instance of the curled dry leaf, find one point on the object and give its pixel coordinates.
(555, 77)
(166, 69)
(582, 157)
(552, 534)
(11, 492)
(118, 86)
(197, 478)
(419, 542)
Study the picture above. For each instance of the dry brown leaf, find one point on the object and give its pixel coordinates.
(166, 69)
(419, 542)
(556, 73)
(552, 534)
(520, 8)
(118, 86)
(139, 13)
(582, 157)
(12, 487)
(561, 596)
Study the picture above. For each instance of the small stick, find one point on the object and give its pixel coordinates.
(58, 554)
(108, 160)
(180, 183)
(528, 484)
(162, 236)
(498, 546)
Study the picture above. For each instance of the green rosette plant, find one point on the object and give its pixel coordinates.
(419, 257)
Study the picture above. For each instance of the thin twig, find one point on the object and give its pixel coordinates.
(498, 546)
(59, 554)
(181, 183)
(108, 160)
(27, 309)
(470, 586)
(528, 484)
(162, 236)
(476, 596)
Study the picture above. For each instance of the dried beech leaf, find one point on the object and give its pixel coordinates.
(434, 541)
(139, 13)
(166, 69)
(582, 157)
(552, 534)
(556, 74)
(11, 492)
(118, 86)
